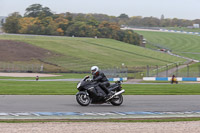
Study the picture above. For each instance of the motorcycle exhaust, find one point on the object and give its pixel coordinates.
(120, 92)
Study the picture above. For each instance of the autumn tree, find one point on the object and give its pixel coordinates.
(40, 20)
(12, 23)
(26, 23)
(62, 24)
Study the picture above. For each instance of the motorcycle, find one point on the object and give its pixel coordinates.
(91, 92)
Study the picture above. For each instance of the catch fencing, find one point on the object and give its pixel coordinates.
(9, 67)
(179, 70)
(116, 72)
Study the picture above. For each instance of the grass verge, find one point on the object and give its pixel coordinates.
(69, 88)
(105, 120)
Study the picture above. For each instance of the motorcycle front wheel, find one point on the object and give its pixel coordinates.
(83, 99)
(117, 100)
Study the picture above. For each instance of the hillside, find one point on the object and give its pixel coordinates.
(181, 44)
(79, 54)
(20, 51)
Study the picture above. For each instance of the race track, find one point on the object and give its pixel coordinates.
(67, 103)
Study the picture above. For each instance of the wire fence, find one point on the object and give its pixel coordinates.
(117, 72)
(9, 67)
(179, 70)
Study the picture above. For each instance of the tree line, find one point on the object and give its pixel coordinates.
(42, 21)
(139, 21)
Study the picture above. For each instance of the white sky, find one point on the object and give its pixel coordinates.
(182, 9)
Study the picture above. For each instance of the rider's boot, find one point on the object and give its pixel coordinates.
(109, 95)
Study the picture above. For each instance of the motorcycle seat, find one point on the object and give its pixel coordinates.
(112, 87)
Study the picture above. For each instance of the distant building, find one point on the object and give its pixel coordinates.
(190, 27)
(196, 25)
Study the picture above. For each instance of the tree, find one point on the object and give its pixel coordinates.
(69, 16)
(46, 11)
(93, 22)
(123, 16)
(62, 23)
(25, 24)
(135, 21)
(60, 31)
(151, 21)
(36, 10)
(12, 23)
(162, 17)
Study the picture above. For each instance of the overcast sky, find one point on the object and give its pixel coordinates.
(182, 9)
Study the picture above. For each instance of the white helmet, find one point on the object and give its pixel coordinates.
(94, 70)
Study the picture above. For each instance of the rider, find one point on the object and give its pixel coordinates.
(101, 78)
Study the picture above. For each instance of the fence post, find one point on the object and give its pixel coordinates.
(166, 70)
(156, 70)
(126, 68)
(147, 70)
(176, 70)
(8, 68)
(199, 70)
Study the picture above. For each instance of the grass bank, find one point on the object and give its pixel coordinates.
(181, 44)
(79, 54)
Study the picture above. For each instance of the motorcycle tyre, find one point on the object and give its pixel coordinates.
(79, 100)
(112, 101)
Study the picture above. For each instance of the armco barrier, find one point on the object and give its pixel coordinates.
(184, 32)
(117, 79)
(169, 78)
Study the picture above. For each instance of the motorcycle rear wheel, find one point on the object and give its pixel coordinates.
(117, 100)
(83, 99)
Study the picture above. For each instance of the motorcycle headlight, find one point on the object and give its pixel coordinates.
(78, 85)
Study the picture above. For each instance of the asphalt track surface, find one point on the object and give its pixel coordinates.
(67, 103)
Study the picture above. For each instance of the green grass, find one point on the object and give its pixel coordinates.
(80, 54)
(181, 44)
(162, 89)
(37, 88)
(69, 88)
(107, 120)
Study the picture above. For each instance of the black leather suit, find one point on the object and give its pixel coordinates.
(101, 78)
